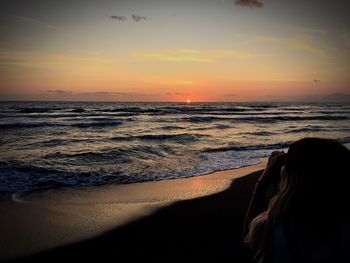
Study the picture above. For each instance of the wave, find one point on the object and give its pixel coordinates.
(56, 142)
(249, 147)
(333, 112)
(274, 146)
(121, 109)
(52, 110)
(266, 119)
(259, 133)
(35, 110)
(18, 176)
(205, 109)
(22, 178)
(180, 138)
(25, 125)
(134, 110)
(169, 128)
(175, 137)
(48, 109)
(266, 106)
(96, 124)
(78, 110)
(122, 138)
(105, 122)
(312, 118)
(247, 112)
(222, 126)
(66, 115)
(316, 129)
(186, 110)
(115, 155)
(205, 119)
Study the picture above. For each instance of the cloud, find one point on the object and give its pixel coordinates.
(303, 43)
(44, 59)
(177, 56)
(124, 94)
(95, 96)
(177, 94)
(119, 18)
(249, 3)
(138, 18)
(59, 92)
(190, 55)
(25, 19)
(135, 18)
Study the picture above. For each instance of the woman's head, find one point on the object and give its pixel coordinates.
(316, 180)
(315, 158)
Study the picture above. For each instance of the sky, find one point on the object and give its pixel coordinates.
(166, 50)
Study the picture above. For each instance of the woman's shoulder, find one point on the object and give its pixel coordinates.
(298, 242)
(280, 248)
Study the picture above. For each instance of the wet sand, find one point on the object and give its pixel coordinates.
(178, 220)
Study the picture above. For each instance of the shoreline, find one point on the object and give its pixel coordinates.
(16, 196)
(58, 217)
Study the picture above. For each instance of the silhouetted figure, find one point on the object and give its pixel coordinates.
(299, 211)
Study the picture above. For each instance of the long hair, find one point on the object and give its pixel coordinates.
(313, 192)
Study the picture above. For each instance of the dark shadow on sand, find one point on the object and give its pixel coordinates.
(205, 229)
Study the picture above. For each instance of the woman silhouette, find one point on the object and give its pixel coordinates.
(307, 218)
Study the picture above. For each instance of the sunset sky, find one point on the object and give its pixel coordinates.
(167, 50)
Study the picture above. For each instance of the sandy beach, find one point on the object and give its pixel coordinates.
(41, 221)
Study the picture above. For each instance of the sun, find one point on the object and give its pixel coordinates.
(188, 101)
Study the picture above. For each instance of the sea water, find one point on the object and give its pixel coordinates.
(45, 145)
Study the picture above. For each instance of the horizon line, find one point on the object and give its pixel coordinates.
(184, 102)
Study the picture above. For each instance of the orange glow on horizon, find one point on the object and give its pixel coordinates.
(188, 101)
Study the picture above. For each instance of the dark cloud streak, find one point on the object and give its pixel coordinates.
(249, 3)
(177, 94)
(59, 92)
(98, 93)
(135, 18)
(119, 18)
(94, 96)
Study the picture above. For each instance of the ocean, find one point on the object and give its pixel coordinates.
(46, 145)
